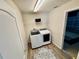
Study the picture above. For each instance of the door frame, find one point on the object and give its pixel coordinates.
(65, 23)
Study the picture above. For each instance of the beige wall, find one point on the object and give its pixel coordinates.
(57, 21)
(16, 13)
(29, 22)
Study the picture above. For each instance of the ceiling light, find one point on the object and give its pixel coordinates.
(38, 5)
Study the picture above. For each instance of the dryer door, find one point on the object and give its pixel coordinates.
(10, 45)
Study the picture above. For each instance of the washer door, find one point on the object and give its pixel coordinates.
(10, 45)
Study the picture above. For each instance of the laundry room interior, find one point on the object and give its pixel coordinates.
(39, 29)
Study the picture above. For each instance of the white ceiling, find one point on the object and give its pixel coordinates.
(28, 5)
(51, 4)
(25, 5)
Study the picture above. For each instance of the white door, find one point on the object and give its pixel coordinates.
(10, 45)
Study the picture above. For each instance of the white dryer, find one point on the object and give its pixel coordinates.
(46, 34)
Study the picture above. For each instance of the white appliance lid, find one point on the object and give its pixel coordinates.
(44, 31)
